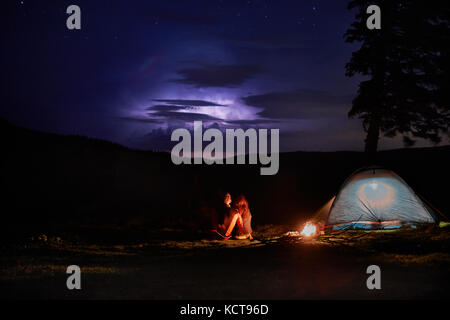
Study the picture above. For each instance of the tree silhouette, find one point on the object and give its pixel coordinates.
(405, 68)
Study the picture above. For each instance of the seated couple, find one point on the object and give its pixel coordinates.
(234, 215)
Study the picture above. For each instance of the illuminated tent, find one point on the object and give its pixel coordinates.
(375, 198)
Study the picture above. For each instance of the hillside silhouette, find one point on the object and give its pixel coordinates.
(56, 180)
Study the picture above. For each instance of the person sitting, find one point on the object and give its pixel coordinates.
(219, 211)
(239, 214)
(223, 212)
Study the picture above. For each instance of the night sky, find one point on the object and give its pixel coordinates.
(139, 69)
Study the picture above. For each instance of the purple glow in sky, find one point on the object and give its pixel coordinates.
(134, 72)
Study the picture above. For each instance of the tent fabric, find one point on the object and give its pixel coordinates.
(375, 195)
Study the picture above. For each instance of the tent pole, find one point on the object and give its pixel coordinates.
(431, 205)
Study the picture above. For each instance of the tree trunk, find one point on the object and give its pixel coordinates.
(373, 134)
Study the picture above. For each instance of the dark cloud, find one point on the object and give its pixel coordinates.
(211, 75)
(255, 122)
(182, 116)
(167, 107)
(171, 113)
(193, 103)
(299, 104)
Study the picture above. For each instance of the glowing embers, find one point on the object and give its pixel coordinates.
(309, 230)
(376, 194)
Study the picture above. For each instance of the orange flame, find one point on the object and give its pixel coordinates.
(309, 230)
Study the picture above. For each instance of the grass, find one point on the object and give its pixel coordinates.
(428, 246)
(51, 254)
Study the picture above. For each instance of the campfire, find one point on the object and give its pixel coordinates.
(309, 230)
